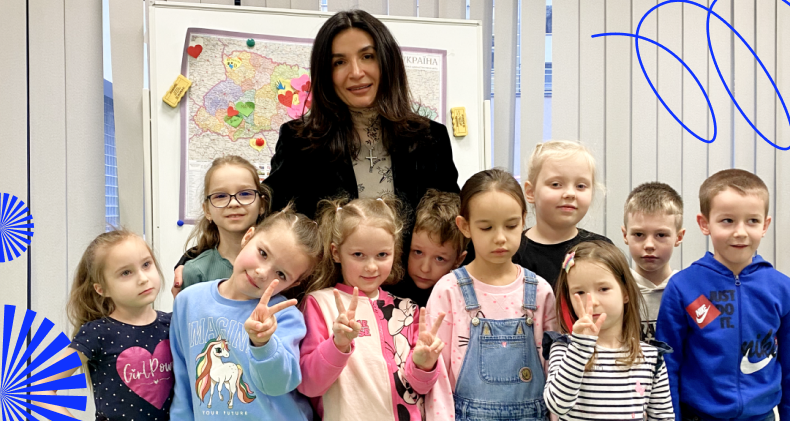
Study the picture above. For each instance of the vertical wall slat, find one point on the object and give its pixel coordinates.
(720, 151)
(781, 222)
(49, 279)
(126, 36)
(84, 126)
(480, 10)
(765, 117)
(696, 117)
(265, 3)
(744, 84)
(306, 4)
(592, 101)
(338, 5)
(644, 118)
(454, 9)
(565, 56)
(13, 139)
(533, 60)
(504, 82)
(403, 8)
(618, 116)
(669, 150)
(428, 8)
(374, 7)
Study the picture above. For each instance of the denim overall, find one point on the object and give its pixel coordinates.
(501, 378)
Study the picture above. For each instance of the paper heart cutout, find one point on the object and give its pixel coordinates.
(286, 99)
(504, 344)
(194, 51)
(149, 376)
(257, 143)
(244, 108)
(232, 111)
(233, 121)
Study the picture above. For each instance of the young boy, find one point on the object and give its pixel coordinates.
(653, 228)
(437, 246)
(727, 315)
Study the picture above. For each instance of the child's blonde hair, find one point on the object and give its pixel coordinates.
(743, 182)
(559, 149)
(306, 235)
(338, 219)
(613, 260)
(205, 231)
(85, 304)
(436, 215)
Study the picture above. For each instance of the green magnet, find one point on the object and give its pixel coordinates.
(250, 42)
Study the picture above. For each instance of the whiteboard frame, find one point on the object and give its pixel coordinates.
(158, 88)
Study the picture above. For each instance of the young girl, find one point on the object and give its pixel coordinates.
(367, 355)
(496, 314)
(233, 335)
(234, 199)
(121, 339)
(561, 185)
(602, 371)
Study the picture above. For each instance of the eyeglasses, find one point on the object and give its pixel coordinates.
(222, 199)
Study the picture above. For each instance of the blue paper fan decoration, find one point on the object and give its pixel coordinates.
(15, 386)
(15, 229)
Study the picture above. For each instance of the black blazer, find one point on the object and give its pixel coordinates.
(309, 175)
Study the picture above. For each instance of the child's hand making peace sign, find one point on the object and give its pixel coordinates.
(429, 346)
(262, 324)
(585, 325)
(345, 328)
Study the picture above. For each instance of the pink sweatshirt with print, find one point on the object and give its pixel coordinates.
(496, 302)
(377, 380)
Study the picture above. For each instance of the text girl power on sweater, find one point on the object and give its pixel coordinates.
(715, 63)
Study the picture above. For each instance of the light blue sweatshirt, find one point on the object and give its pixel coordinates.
(219, 374)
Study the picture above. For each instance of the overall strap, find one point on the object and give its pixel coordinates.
(467, 288)
(530, 290)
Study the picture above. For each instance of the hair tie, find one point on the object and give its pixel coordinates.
(338, 209)
(315, 222)
(568, 263)
(379, 199)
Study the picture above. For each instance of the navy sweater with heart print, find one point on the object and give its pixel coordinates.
(731, 340)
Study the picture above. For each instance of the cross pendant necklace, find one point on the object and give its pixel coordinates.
(371, 157)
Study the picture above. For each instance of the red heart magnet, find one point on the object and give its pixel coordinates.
(286, 99)
(232, 111)
(260, 142)
(194, 51)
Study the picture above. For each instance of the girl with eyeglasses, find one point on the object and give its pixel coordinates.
(234, 199)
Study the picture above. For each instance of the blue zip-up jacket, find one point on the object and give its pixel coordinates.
(731, 339)
(220, 375)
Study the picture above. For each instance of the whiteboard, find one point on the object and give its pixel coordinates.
(168, 23)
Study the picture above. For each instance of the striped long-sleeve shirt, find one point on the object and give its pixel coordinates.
(612, 390)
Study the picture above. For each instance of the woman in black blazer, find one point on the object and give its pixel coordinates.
(361, 136)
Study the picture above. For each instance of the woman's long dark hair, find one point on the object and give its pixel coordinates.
(328, 123)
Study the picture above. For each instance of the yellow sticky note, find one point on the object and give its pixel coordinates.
(459, 121)
(177, 90)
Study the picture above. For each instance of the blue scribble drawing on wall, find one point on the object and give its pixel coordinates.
(715, 63)
(16, 378)
(15, 229)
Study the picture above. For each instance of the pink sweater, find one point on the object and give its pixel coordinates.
(377, 380)
(496, 302)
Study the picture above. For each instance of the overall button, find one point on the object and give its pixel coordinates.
(475, 321)
(525, 374)
(530, 321)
